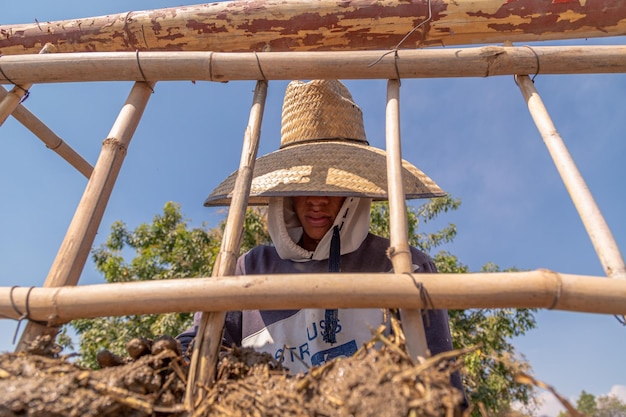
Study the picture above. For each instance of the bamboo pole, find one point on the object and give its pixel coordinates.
(598, 230)
(590, 214)
(399, 250)
(527, 289)
(18, 93)
(278, 25)
(222, 66)
(49, 138)
(206, 347)
(74, 250)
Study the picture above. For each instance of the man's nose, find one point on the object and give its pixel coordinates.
(317, 200)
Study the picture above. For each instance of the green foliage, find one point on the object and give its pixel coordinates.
(610, 406)
(489, 371)
(164, 249)
(586, 403)
(602, 406)
(424, 241)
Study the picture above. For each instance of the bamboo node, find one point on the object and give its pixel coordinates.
(114, 143)
(558, 290)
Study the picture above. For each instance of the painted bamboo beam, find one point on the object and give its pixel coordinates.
(528, 289)
(304, 25)
(216, 66)
(74, 250)
(49, 138)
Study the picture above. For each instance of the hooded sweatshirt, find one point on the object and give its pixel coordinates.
(296, 337)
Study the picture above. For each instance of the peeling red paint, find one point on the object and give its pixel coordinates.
(201, 27)
(548, 17)
(238, 26)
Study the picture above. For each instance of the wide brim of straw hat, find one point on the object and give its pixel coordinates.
(327, 168)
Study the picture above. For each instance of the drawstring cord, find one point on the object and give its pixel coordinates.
(331, 316)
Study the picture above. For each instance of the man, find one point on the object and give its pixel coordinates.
(319, 187)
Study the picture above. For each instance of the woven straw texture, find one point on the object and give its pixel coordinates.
(323, 151)
(320, 109)
(325, 168)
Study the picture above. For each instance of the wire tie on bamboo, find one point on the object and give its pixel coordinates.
(211, 66)
(426, 301)
(141, 71)
(26, 92)
(537, 58)
(392, 251)
(515, 77)
(558, 291)
(258, 62)
(22, 316)
(394, 50)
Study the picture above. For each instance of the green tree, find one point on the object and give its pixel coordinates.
(164, 249)
(602, 406)
(610, 406)
(586, 403)
(489, 372)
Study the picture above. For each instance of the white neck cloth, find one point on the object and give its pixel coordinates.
(285, 229)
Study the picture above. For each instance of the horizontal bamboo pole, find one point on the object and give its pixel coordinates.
(49, 138)
(304, 25)
(532, 289)
(215, 66)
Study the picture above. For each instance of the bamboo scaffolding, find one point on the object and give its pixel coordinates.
(18, 93)
(74, 250)
(49, 138)
(590, 214)
(299, 25)
(220, 66)
(206, 347)
(399, 250)
(528, 289)
(598, 230)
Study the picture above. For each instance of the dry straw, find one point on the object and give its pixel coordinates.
(324, 151)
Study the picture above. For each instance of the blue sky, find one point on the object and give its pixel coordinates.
(474, 137)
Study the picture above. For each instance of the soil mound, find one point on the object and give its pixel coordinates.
(379, 381)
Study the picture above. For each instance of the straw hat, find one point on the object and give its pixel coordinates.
(323, 151)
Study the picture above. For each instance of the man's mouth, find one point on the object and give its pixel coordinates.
(318, 220)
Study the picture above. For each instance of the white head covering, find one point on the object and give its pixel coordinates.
(286, 231)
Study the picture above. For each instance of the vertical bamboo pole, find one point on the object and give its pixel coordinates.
(595, 224)
(208, 341)
(400, 252)
(74, 250)
(49, 138)
(14, 97)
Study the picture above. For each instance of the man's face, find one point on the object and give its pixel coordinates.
(317, 215)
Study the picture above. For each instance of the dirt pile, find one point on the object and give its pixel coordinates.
(373, 382)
